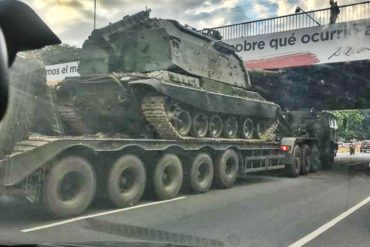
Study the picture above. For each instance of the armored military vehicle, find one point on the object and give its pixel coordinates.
(320, 125)
(143, 80)
(148, 77)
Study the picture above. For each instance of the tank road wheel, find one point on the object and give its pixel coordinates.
(230, 127)
(247, 130)
(306, 160)
(201, 173)
(181, 120)
(293, 170)
(226, 169)
(200, 125)
(315, 159)
(260, 129)
(167, 177)
(126, 181)
(69, 187)
(215, 126)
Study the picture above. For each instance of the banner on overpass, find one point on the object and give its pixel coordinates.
(58, 72)
(342, 42)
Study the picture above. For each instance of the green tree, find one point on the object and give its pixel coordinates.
(366, 123)
(350, 124)
(63, 53)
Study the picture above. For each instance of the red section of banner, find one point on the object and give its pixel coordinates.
(284, 61)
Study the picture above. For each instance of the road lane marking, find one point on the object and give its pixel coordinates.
(328, 225)
(99, 214)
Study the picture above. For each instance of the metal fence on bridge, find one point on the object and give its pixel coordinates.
(350, 12)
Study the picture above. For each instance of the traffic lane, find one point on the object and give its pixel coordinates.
(261, 211)
(16, 214)
(22, 219)
(352, 231)
(275, 215)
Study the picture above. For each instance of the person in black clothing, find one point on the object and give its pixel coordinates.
(334, 11)
(352, 148)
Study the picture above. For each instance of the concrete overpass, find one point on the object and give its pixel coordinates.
(302, 38)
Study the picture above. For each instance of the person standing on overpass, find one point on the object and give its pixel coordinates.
(334, 11)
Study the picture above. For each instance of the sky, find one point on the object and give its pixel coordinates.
(72, 20)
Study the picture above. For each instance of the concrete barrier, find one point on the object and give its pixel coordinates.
(346, 149)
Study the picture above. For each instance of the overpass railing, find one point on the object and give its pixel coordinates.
(350, 12)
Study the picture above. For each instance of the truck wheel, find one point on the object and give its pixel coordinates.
(315, 159)
(126, 181)
(294, 169)
(226, 169)
(69, 187)
(201, 173)
(306, 160)
(167, 177)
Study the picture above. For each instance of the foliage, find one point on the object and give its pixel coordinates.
(53, 54)
(336, 86)
(63, 53)
(350, 124)
(366, 123)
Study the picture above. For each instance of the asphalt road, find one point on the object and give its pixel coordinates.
(261, 210)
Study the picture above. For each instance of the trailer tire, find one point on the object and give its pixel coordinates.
(201, 173)
(315, 159)
(74, 179)
(306, 160)
(226, 169)
(167, 177)
(293, 170)
(128, 171)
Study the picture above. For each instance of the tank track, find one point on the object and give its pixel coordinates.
(69, 115)
(153, 108)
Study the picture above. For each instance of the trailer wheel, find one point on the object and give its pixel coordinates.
(201, 173)
(315, 159)
(69, 187)
(294, 169)
(306, 160)
(168, 177)
(126, 181)
(226, 169)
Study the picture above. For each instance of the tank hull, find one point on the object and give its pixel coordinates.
(211, 101)
(113, 104)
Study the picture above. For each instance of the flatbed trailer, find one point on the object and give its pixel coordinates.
(67, 173)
